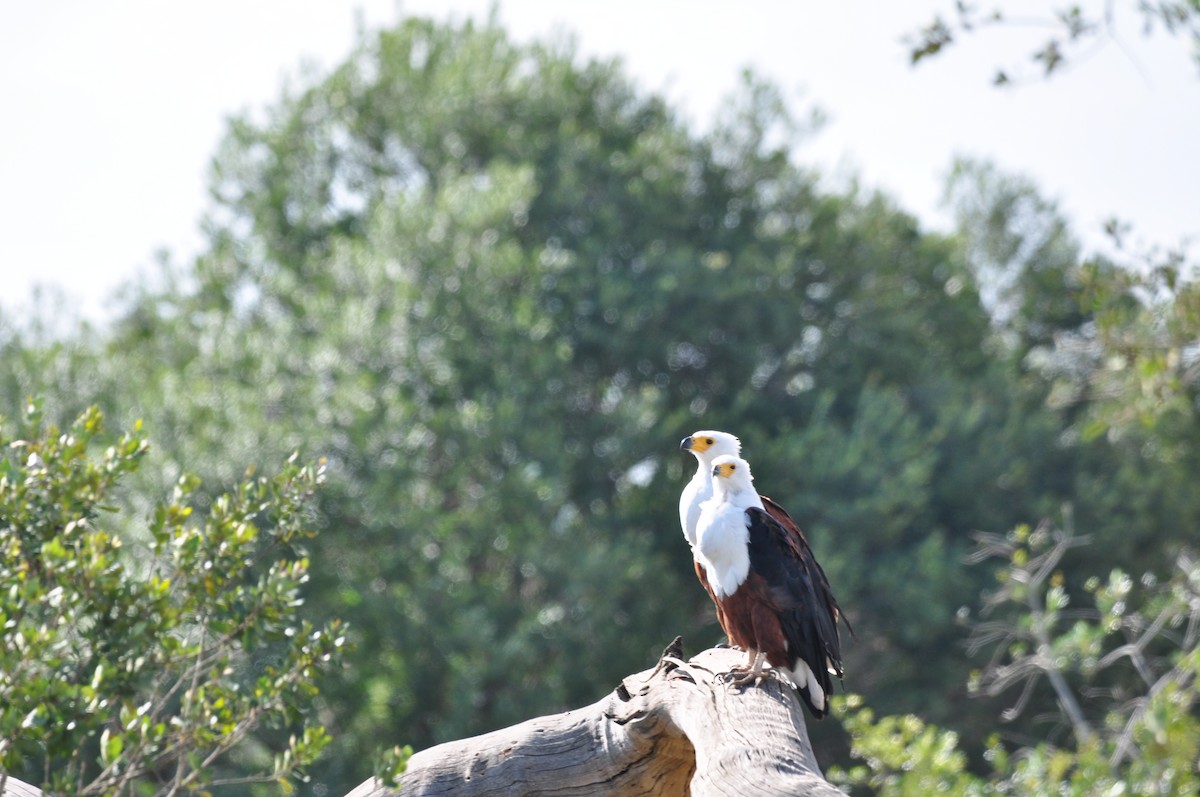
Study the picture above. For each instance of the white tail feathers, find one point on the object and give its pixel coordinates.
(805, 679)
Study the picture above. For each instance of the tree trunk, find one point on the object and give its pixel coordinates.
(673, 730)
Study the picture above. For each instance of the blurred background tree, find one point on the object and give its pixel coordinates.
(493, 284)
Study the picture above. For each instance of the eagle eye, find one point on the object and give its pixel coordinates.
(708, 441)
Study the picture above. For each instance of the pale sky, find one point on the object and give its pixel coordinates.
(112, 110)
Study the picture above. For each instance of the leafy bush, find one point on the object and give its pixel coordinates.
(1123, 673)
(151, 661)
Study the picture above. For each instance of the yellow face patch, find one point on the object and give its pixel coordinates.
(725, 469)
(702, 443)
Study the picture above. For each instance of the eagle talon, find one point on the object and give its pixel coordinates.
(743, 676)
(728, 678)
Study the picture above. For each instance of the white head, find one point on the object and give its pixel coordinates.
(731, 476)
(706, 445)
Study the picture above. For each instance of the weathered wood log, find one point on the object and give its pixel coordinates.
(11, 787)
(677, 729)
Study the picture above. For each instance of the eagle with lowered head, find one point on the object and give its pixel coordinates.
(773, 600)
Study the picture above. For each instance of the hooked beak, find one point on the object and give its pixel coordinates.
(685, 444)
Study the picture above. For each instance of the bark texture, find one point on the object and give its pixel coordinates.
(11, 787)
(673, 730)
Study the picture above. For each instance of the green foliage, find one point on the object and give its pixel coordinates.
(902, 755)
(1074, 31)
(136, 666)
(1147, 322)
(391, 764)
(1141, 646)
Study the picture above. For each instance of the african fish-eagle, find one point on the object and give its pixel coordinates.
(706, 445)
(772, 597)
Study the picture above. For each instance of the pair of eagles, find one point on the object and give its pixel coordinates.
(772, 598)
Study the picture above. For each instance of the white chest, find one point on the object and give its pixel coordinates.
(721, 545)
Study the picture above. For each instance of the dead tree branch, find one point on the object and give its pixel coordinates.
(676, 729)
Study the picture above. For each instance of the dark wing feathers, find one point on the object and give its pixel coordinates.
(800, 591)
(799, 543)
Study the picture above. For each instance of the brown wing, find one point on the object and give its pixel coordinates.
(702, 577)
(799, 543)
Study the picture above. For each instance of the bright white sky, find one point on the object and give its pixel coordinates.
(111, 111)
